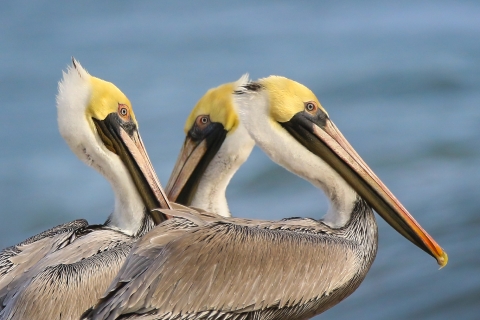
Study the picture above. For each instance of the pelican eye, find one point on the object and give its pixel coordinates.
(202, 121)
(310, 107)
(123, 112)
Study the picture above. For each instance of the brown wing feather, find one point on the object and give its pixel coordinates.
(16, 260)
(67, 281)
(9, 254)
(227, 267)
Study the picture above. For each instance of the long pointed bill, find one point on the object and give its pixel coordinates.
(125, 141)
(327, 142)
(192, 162)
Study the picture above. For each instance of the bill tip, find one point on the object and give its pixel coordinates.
(443, 259)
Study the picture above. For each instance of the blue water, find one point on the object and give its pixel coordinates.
(400, 80)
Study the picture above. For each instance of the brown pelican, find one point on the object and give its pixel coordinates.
(59, 273)
(216, 145)
(200, 266)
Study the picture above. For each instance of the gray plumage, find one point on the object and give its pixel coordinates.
(202, 266)
(7, 255)
(59, 273)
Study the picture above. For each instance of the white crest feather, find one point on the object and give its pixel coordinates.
(74, 91)
(240, 83)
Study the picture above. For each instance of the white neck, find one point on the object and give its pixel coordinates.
(210, 195)
(74, 93)
(282, 148)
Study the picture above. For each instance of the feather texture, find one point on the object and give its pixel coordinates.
(60, 275)
(229, 268)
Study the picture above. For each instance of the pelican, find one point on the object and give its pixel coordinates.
(216, 145)
(228, 268)
(59, 273)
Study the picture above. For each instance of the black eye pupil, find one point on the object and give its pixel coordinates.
(310, 106)
(204, 120)
(124, 112)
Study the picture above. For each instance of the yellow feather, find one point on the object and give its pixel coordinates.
(105, 99)
(287, 97)
(218, 104)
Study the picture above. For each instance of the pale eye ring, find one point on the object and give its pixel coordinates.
(123, 111)
(203, 120)
(310, 106)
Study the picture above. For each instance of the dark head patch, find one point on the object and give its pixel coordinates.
(252, 86)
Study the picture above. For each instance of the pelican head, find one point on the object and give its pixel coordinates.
(216, 145)
(97, 121)
(288, 122)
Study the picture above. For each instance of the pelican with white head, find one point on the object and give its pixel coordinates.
(97, 121)
(216, 145)
(60, 272)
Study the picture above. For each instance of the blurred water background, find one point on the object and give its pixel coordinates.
(400, 79)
